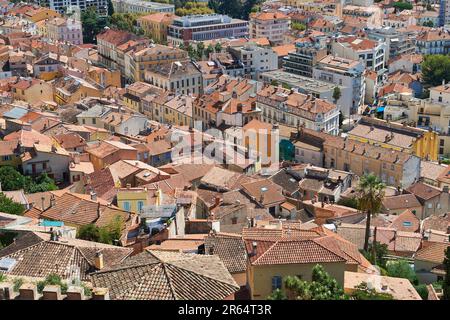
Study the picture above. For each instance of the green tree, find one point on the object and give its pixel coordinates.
(402, 269)
(298, 26)
(11, 179)
(435, 68)
(400, 6)
(9, 206)
(3, 277)
(53, 280)
(89, 232)
(422, 291)
(200, 50)
(336, 94)
(92, 24)
(428, 24)
(209, 50)
(274, 83)
(322, 287)
(348, 202)
(218, 47)
(41, 184)
(110, 8)
(380, 251)
(112, 232)
(446, 282)
(191, 51)
(370, 193)
(277, 295)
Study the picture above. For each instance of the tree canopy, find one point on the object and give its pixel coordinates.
(126, 22)
(190, 8)
(235, 8)
(435, 68)
(108, 234)
(11, 179)
(9, 206)
(322, 287)
(92, 24)
(400, 6)
(401, 269)
(370, 193)
(298, 26)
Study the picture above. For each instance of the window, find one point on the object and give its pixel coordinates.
(94, 121)
(276, 282)
(140, 205)
(7, 158)
(440, 99)
(126, 205)
(441, 142)
(234, 220)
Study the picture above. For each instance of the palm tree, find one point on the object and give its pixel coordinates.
(370, 194)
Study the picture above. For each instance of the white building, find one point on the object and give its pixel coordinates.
(279, 105)
(62, 5)
(371, 52)
(65, 30)
(343, 72)
(270, 25)
(256, 59)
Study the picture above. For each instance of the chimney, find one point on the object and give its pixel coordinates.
(52, 201)
(51, 292)
(75, 293)
(7, 291)
(128, 185)
(100, 294)
(93, 196)
(254, 247)
(98, 260)
(28, 291)
(216, 201)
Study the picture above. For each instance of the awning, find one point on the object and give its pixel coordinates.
(380, 109)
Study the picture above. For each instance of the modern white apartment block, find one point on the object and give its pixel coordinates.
(62, 5)
(255, 59)
(343, 72)
(371, 52)
(205, 27)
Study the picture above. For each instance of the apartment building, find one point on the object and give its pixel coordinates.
(305, 57)
(137, 61)
(279, 105)
(107, 43)
(156, 25)
(180, 77)
(65, 30)
(397, 43)
(140, 6)
(256, 59)
(444, 12)
(434, 41)
(343, 72)
(62, 5)
(205, 27)
(270, 25)
(434, 114)
(317, 88)
(371, 52)
(396, 136)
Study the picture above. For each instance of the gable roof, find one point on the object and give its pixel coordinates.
(163, 275)
(403, 201)
(65, 257)
(406, 221)
(432, 252)
(230, 248)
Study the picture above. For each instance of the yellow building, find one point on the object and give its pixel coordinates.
(178, 111)
(391, 135)
(135, 199)
(104, 77)
(270, 264)
(32, 91)
(72, 89)
(136, 62)
(41, 14)
(9, 154)
(155, 25)
(42, 28)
